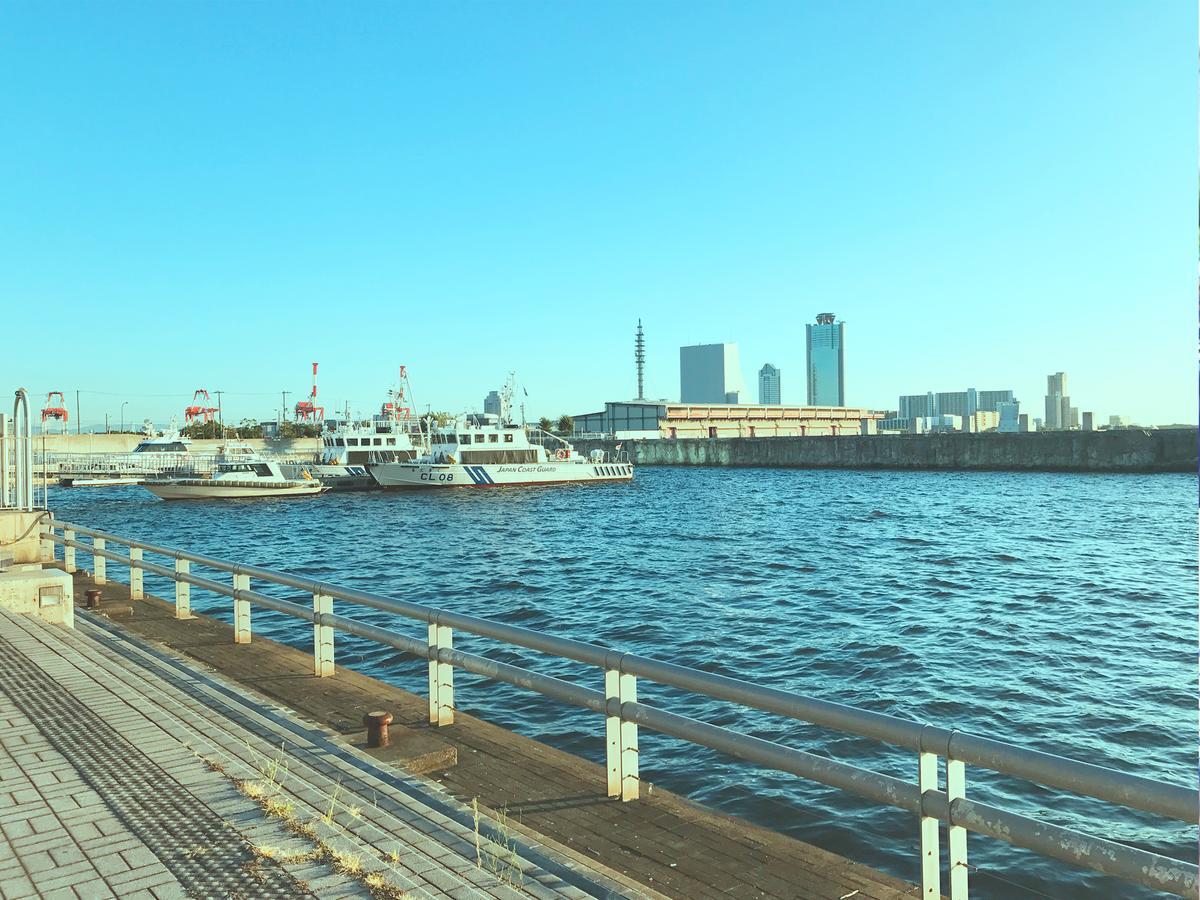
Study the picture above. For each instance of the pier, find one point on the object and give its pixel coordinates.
(211, 756)
(607, 814)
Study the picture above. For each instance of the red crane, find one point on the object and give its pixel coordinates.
(307, 410)
(199, 411)
(59, 412)
(396, 409)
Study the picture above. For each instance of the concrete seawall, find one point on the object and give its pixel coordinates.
(1172, 450)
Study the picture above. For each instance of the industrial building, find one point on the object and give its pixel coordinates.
(710, 373)
(826, 361)
(769, 387)
(630, 420)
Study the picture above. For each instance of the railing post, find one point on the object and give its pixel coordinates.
(241, 611)
(135, 573)
(322, 637)
(183, 590)
(46, 545)
(441, 676)
(99, 563)
(68, 550)
(622, 736)
(931, 854)
(956, 789)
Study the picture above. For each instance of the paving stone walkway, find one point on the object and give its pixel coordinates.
(127, 771)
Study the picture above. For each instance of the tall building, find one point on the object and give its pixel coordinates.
(825, 346)
(1010, 417)
(768, 385)
(491, 403)
(1058, 404)
(710, 373)
(1088, 419)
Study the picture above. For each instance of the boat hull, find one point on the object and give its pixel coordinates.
(420, 475)
(335, 477)
(215, 491)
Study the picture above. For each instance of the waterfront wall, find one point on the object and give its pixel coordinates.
(1169, 450)
(124, 443)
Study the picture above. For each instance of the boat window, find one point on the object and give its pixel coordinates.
(262, 469)
(351, 442)
(465, 439)
(493, 438)
(508, 439)
(391, 442)
(479, 438)
(378, 442)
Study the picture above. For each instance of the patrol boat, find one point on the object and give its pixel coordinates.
(347, 451)
(491, 450)
(482, 451)
(239, 472)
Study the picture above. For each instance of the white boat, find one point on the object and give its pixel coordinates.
(492, 451)
(239, 472)
(348, 451)
(169, 442)
(101, 482)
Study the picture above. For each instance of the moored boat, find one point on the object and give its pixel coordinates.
(348, 451)
(492, 451)
(240, 472)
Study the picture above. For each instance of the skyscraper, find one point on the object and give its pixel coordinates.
(710, 373)
(1058, 404)
(826, 362)
(768, 385)
(491, 403)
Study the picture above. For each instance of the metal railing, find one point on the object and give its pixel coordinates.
(935, 804)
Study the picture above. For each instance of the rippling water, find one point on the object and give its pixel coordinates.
(1056, 611)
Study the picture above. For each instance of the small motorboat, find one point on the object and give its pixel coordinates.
(240, 472)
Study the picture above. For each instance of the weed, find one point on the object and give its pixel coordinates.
(195, 852)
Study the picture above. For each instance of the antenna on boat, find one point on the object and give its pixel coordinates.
(506, 395)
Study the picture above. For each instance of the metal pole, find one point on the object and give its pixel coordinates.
(123, 405)
(5, 491)
(220, 417)
(78, 421)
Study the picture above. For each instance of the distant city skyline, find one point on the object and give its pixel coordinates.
(514, 186)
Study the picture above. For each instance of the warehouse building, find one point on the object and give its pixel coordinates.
(632, 420)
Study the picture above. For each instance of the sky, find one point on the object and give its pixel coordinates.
(214, 195)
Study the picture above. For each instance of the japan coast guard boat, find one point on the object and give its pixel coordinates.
(239, 472)
(346, 452)
(484, 451)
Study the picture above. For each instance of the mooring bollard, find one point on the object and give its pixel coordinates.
(93, 598)
(377, 728)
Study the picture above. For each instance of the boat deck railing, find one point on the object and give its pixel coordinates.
(936, 802)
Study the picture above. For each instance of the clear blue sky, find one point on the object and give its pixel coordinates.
(214, 195)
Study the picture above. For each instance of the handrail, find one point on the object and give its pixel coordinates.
(619, 703)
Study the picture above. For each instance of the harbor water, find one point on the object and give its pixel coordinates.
(1054, 611)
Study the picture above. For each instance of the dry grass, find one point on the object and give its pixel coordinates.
(268, 794)
(503, 862)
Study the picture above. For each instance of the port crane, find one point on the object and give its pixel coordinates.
(199, 411)
(51, 411)
(397, 409)
(307, 410)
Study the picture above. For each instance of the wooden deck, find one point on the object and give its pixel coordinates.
(662, 841)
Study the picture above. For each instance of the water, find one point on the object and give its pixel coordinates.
(1056, 611)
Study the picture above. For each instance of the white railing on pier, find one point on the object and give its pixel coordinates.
(935, 804)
